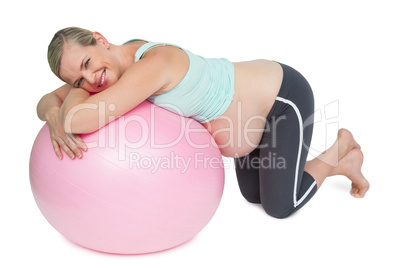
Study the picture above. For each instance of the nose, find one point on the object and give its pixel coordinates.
(89, 76)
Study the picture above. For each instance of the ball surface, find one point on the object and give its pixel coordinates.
(150, 180)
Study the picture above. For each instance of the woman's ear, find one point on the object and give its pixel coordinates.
(100, 39)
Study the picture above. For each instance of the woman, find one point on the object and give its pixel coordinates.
(256, 111)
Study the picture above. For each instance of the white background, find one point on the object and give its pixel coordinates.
(350, 51)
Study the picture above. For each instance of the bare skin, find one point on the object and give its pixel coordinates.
(345, 158)
(262, 79)
(237, 132)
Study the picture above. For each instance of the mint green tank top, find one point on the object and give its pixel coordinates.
(204, 93)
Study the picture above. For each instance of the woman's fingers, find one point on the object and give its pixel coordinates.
(68, 145)
(56, 148)
(73, 147)
(77, 139)
(65, 146)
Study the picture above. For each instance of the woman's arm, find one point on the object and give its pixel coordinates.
(48, 109)
(51, 102)
(82, 113)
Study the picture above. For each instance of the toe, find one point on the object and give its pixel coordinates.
(358, 192)
(355, 192)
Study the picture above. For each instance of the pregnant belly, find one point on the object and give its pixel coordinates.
(239, 130)
(237, 135)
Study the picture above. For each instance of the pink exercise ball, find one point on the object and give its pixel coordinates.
(150, 181)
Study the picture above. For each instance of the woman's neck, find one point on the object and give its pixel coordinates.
(126, 53)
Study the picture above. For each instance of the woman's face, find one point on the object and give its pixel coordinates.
(93, 68)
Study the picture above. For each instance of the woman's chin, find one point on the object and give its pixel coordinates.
(102, 88)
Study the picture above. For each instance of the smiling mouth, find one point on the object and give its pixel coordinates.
(102, 79)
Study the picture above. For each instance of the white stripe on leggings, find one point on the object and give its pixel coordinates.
(295, 201)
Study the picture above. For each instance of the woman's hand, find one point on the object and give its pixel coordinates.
(71, 144)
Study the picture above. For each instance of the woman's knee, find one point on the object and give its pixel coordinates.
(277, 210)
(251, 194)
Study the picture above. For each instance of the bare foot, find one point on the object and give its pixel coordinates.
(343, 145)
(346, 143)
(350, 166)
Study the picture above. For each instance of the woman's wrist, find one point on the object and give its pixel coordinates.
(52, 114)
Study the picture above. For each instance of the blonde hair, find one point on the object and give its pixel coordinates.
(55, 50)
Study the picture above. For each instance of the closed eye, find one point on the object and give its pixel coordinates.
(80, 82)
(86, 66)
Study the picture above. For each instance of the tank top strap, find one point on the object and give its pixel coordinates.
(145, 47)
(133, 40)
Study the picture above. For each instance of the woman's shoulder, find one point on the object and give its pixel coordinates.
(156, 48)
(134, 40)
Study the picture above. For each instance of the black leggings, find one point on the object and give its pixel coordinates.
(273, 174)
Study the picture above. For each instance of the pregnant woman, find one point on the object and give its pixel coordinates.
(256, 111)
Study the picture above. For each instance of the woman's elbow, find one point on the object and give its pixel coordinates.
(77, 126)
(70, 123)
(76, 121)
